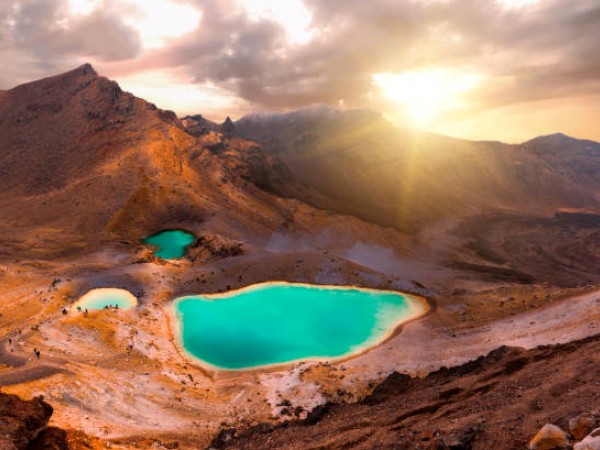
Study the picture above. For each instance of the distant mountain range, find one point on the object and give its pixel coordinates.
(81, 162)
(404, 179)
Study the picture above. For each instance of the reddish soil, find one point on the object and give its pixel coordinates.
(498, 401)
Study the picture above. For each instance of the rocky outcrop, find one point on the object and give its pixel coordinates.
(581, 426)
(197, 126)
(210, 246)
(227, 128)
(590, 442)
(550, 437)
(23, 423)
(494, 402)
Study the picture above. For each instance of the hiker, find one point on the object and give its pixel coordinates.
(64, 311)
(37, 353)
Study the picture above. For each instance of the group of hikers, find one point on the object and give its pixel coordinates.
(65, 311)
(85, 310)
(36, 352)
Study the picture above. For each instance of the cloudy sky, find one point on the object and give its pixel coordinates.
(485, 69)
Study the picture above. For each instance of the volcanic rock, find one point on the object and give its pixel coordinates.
(472, 406)
(591, 442)
(21, 421)
(581, 426)
(550, 437)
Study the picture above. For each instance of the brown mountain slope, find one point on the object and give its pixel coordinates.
(406, 179)
(60, 114)
(82, 161)
(497, 212)
(498, 401)
(76, 142)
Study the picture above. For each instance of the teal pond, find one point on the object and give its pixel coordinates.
(276, 323)
(170, 244)
(106, 297)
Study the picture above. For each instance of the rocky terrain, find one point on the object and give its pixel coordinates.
(503, 240)
(498, 401)
(24, 425)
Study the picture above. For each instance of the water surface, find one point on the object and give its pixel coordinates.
(275, 323)
(106, 297)
(170, 244)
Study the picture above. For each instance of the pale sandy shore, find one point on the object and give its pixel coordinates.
(94, 295)
(421, 348)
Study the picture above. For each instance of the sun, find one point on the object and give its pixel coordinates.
(425, 94)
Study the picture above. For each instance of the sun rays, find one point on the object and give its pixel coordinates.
(425, 94)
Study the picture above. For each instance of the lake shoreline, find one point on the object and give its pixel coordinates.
(86, 301)
(420, 307)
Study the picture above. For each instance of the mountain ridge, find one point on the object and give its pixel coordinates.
(88, 142)
(338, 154)
(320, 108)
(84, 162)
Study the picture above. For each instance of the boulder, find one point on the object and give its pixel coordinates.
(21, 420)
(591, 441)
(581, 426)
(550, 437)
(145, 255)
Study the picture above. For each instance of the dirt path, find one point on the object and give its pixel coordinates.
(25, 374)
(9, 356)
(22, 367)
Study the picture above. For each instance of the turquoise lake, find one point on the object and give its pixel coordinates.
(106, 297)
(275, 323)
(170, 244)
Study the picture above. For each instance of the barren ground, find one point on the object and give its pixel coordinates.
(118, 376)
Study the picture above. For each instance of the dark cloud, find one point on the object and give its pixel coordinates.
(256, 60)
(547, 50)
(46, 30)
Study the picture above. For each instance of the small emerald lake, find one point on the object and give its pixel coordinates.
(170, 244)
(277, 323)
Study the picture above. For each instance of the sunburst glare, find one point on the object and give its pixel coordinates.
(425, 94)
